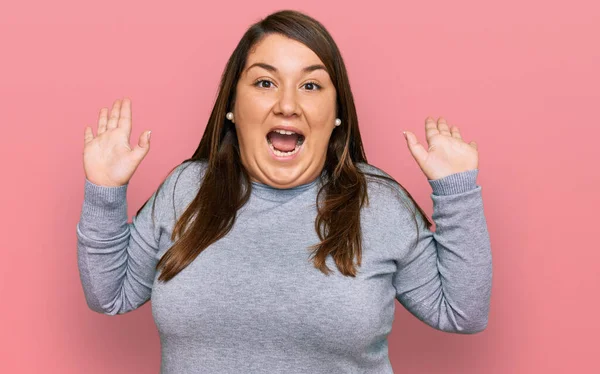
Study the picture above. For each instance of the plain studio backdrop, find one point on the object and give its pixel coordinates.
(519, 78)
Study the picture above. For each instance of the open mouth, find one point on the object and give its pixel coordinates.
(284, 143)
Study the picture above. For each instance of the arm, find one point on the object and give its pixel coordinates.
(117, 259)
(446, 280)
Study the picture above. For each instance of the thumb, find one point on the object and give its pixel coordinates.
(143, 146)
(415, 148)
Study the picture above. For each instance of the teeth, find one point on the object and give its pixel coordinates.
(284, 132)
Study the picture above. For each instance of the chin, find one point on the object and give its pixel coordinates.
(282, 176)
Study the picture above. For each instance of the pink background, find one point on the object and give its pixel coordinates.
(520, 78)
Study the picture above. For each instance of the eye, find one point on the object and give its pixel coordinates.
(260, 81)
(312, 86)
(318, 87)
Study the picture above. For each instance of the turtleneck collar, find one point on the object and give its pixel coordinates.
(267, 192)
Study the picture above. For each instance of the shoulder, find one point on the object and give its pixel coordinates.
(386, 196)
(391, 220)
(380, 182)
(181, 184)
(189, 171)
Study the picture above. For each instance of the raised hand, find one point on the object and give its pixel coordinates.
(108, 160)
(448, 153)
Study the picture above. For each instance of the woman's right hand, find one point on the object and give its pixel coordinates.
(108, 160)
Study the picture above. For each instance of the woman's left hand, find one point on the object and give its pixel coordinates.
(448, 153)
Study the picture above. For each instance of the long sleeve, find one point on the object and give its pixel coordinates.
(446, 279)
(117, 259)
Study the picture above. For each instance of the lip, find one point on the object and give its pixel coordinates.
(283, 158)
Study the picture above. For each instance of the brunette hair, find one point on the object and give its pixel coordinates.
(226, 185)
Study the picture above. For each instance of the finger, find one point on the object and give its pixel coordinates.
(416, 149)
(443, 126)
(114, 115)
(455, 132)
(143, 146)
(430, 128)
(102, 120)
(125, 116)
(88, 135)
(473, 144)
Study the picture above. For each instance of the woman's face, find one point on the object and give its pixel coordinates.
(284, 84)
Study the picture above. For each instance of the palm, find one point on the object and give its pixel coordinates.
(447, 153)
(108, 158)
(110, 152)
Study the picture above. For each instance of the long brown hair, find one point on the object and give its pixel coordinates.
(226, 185)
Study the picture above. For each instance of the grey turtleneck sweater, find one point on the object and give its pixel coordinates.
(253, 302)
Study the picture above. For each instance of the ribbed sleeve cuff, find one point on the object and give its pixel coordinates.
(100, 201)
(455, 183)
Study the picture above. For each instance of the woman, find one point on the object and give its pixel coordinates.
(276, 247)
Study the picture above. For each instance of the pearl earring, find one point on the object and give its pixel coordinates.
(338, 121)
(229, 116)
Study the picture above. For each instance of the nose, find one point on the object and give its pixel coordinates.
(287, 103)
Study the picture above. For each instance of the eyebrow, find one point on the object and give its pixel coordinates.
(273, 69)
